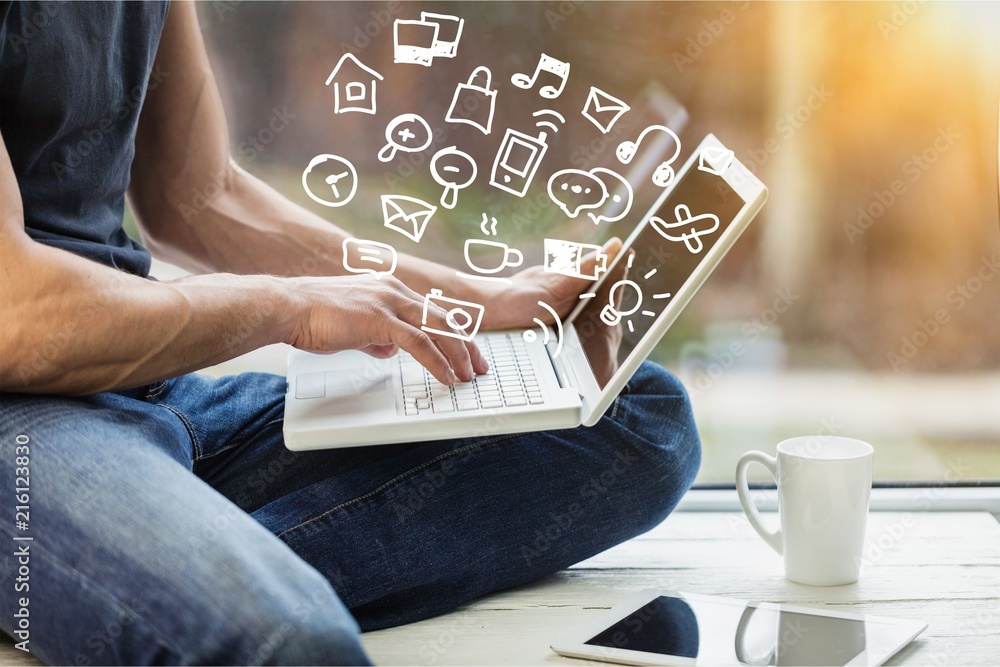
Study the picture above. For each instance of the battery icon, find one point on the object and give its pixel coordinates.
(566, 258)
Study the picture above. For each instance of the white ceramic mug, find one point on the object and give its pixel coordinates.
(824, 483)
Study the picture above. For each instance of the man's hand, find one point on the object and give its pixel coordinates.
(378, 316)
(515, 306)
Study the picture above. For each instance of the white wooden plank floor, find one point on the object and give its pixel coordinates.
(943, 568)
(940, 567)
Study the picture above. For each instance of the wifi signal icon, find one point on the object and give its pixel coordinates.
(530, 336)
(555, 115)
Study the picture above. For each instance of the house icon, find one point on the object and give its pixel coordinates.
(353, 85)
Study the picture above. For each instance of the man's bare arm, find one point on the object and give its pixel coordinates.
(73, 326)
(182, 146)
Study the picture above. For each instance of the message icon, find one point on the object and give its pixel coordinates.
(603, 110)
(378, 259)
(407, 215)
(575, 190)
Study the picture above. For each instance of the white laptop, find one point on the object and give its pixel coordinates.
(540, 379)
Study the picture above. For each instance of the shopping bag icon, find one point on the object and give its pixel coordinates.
(407, 215)
(473, 104)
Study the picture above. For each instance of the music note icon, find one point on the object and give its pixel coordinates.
(548, 64)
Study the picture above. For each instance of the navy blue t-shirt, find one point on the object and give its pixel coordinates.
(73, 76)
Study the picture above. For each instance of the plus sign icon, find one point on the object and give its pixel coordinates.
(408, 133)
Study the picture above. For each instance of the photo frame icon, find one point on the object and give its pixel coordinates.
(419, 42)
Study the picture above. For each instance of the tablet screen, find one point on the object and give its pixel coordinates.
(718, 632)
(663, 257)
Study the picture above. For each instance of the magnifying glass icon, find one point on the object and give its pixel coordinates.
(408, 133)
(454, 170)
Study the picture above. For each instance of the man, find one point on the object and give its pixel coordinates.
(168, 522)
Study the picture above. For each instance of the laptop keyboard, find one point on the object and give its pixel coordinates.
(510, 382)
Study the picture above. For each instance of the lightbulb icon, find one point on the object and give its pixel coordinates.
(610, 314)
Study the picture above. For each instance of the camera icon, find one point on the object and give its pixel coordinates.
(463, 317)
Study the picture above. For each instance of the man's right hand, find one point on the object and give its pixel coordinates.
(379, 317)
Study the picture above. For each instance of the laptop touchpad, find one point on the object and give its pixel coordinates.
(367, 379)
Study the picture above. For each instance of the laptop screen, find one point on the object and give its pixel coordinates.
(642, 281)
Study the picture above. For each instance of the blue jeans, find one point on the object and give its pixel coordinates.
(169, 524)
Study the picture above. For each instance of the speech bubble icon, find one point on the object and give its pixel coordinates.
(574, 190)
(360, 256)
(619, 200)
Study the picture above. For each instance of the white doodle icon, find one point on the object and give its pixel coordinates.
(462, 317)
(407, 215)
(503, 256)
(517, 161)
(433, 36)
(603, 110)
(692, 239)
(547, 67)
(566, 258)
(454, 170)
(530, 336)
(487, 228)
(619, 194)
(611, 314)
(407, 132)
(333, 177)
(378, 259)
(354, 85)
(717, 155)
(542, 122)
(575, 190)
(664, 174)
(474, 102)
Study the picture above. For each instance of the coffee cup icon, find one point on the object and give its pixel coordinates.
(490, 257)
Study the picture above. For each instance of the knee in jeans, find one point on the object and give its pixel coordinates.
(316, 630)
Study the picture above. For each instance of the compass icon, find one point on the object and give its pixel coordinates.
(330, 180)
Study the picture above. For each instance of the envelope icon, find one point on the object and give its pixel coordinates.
(407, 215)
(720, 157)
(603, 110)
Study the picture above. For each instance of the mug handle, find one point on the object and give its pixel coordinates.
(772, 537)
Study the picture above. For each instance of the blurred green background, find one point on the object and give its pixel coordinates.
(874, 126)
